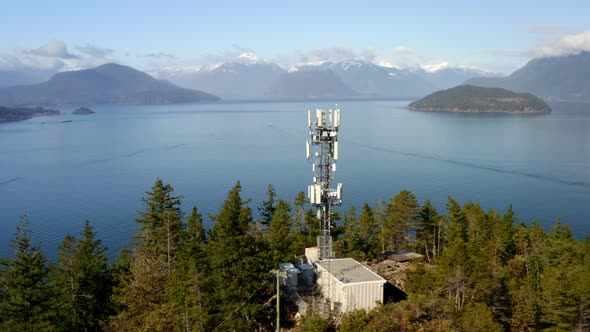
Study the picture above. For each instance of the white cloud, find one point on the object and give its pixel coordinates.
(159, 55)
(94, 51)
(53, 49)
(404, 56)
(325, 54)
(54, 57)
(563, 45)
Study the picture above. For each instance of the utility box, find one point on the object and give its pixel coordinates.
(311, 254)
(349, 285)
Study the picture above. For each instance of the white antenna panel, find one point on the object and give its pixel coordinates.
(337, 118)
(308, 149)
(311, 192)
(320, 115)
(318, 193)
(333, 167)
(309, 119)
(335, 152)
(339, 191)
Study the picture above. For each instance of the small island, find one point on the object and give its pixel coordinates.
(475, 99)
(83, 111)
(9, 114)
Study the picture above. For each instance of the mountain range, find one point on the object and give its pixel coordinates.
(106, 84)
(551, 78)
(250, 78)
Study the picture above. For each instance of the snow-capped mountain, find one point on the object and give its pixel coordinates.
(372, 79)
(250, 77)
(247, 77)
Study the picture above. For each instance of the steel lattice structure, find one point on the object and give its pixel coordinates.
(322, 150)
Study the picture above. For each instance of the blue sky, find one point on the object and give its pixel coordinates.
(495, 35)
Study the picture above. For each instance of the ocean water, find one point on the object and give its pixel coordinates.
(98, 167)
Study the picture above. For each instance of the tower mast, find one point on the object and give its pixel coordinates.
(322, 150)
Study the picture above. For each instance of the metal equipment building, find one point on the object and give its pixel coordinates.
(349, 285)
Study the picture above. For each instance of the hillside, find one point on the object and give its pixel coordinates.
(231, 80)
(106, 84)
(310, 85)
(552, 78)
(474, 99)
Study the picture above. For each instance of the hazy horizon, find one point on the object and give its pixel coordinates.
(495, 36)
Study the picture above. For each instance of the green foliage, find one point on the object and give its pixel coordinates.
(368, 236)
(478, 317)
(83, 282)
(313, 322)
(355, 321)
(429, 232)
(482, 272)
(238, 268)
(402, 213)
(279, 234)
(145, 293)
(469, 98)
(24, 291)
(268, 207)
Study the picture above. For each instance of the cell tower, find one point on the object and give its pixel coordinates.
(322, 149)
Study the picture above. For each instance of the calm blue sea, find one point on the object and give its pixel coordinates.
(97, 167)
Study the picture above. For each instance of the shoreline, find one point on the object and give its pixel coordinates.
(474, 111)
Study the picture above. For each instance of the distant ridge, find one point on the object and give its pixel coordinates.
(564, 78)
(250, 78)
(107, 84)
(310, 85)
(475, 99)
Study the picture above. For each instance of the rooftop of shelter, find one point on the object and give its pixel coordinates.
(349, 271)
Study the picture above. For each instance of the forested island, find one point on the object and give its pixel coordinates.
(9, 114)
(475, 99)
(482, 270)
(83, 111)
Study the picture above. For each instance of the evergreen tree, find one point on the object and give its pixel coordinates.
(268, 207)
(186, 285)
(195, 233)
(401, 215)
(429, 230)
(351, 241)
(301, 238)
(161, 224)
(279, 237)
(145, 294)
(368, 240)
(299, 202)
(454, 263)
(25, 294)
(312, 226)
(238, 275)
(84, 282)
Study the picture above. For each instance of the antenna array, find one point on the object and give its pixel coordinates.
(322, 150)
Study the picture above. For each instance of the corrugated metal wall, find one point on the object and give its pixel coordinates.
(362, 295)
